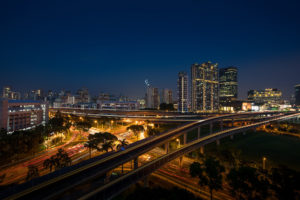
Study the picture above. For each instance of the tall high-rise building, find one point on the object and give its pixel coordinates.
(297, 94)
(83, 95)
(269, 95)
(205, 87)
(6, 92)
(152, 98)
(167, 96)
(182, 87)
(228, 88)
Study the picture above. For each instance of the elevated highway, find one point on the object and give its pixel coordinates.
(57, 183)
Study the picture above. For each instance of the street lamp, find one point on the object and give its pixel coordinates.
(264, 162)
(178, 143)
(111, 123)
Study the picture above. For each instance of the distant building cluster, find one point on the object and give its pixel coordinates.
(209, 89)
(214, 90)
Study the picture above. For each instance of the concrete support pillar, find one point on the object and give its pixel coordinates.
(199, 131)
(231, 137)
(136, 163)
(202, 149)
(184, 138)
(218, 142)
(167, 147)
(221, 125)
(180, 161)
(107, 176)
(146, 181)
(210, 128)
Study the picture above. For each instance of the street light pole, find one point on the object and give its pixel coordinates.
(264, 162)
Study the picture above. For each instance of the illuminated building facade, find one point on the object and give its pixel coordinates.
(182, 87)
(268, 95)
(228, 84)
(83, 95)
(205, 87)
(22, 114)
(167, 96)
(152, 98)
(7, 93)
(297, 95)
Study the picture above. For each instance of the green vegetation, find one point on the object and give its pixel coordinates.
(21, 144)
(136, 129)
(165, 106)
(278, 149)
(33, 172)
(209, 173)
(101, 142)
(58, 161)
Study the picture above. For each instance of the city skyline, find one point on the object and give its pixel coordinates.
(122, 45)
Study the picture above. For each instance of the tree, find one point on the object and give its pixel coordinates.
(33, 172)
(91, 144)
(62, 159)
(105, 139)
(83, 125)
(152, 131)
(123, 143)
(247, 183)
(285, 182)
(209, 174)
(49, 163)
(136, 129)
(106, 146)
(58, 161)
(165, 106)
(3, 133)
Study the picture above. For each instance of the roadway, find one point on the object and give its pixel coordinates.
(113, 188)
(67, 178)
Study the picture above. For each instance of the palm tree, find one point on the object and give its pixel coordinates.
(33, 172)
(209, 174)
(123, 143)
(58, 161)
(49, 163)
(136, 129)
(91, 144)
(106, 146)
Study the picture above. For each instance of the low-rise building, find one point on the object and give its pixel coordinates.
(117, 105)
(268, 95)
(22, 114)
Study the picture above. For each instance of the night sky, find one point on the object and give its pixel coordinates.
(113, 46)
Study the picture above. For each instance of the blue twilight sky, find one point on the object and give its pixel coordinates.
(113, 46)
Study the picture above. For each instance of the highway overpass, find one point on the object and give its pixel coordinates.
(57, 183)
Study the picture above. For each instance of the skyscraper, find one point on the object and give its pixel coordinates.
(167, 96)
(152, 98)
(205, 87)
(228, 84)
(6, 92)
(182, 86)
(297, 94)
